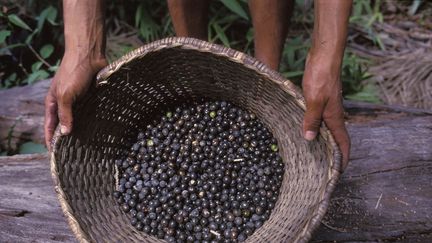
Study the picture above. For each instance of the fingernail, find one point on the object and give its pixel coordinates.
(63, 129)
(310, 135)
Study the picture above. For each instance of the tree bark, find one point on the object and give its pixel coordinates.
(384, 195)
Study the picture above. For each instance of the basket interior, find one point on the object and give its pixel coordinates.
(107, 121)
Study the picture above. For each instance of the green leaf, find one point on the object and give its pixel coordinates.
(29, 38)
(369, 93)
(54, 67)
(367, 7)
(249, 38)
(14, 19)
(138, 15)
(41, 20)
(52, 15)
(36, 66)
(220, 33)
(148, 28)
(31, 148)
(38, 75)
(235, 6)
(3, 35)
(9, 81)
(46, 51)
(250, 35)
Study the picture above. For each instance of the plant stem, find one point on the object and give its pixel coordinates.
(38, 56)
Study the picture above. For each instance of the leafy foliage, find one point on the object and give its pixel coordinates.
(365, 13)
(29, 53)
(31, 38)
(30, 46)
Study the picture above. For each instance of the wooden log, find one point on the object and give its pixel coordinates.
(29, 209)
(22, 114)
(384, 195)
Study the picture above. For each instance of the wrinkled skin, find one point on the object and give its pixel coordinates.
(321, 81)
(71, 81)
(322, 91)
(84, 57)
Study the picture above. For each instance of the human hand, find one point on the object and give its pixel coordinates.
(323, 93)
(71, 81)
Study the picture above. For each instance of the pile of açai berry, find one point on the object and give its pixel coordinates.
(207, 172)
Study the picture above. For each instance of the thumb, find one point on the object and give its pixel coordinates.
(312, 119)
(65, 115)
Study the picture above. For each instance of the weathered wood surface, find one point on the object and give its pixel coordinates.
(384, 195)
(29, 210)
(22, 114)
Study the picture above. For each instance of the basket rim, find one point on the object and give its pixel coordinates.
(333, 152)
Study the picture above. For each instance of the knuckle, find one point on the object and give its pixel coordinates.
(334, 115)
(335, 120)
(314, 122)
(314, 101)
(64, 96)
(313, 116)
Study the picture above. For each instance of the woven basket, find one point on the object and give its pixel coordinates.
(165, 73)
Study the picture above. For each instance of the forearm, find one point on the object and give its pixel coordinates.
(84, 29)
(321, 80)
(330, 32)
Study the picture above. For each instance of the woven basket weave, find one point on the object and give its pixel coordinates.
(165, 73)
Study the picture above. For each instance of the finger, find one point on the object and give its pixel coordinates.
(51, 119)
(336, 126)
(312, 119)
(65, 114)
